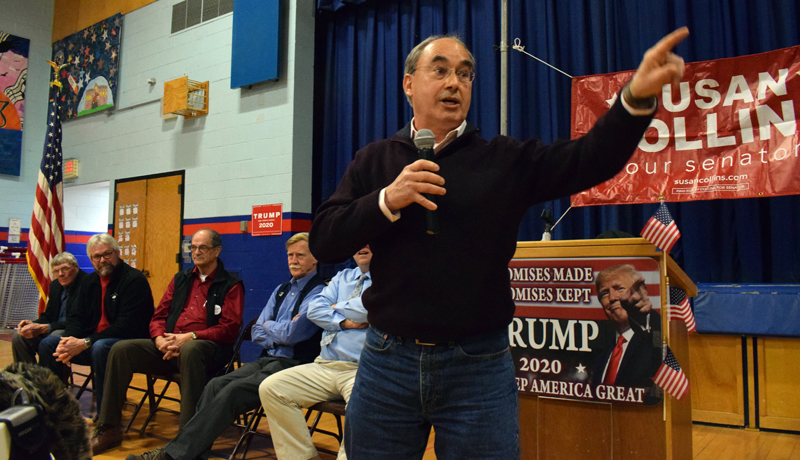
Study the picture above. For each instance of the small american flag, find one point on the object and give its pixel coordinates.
(679, 308)
(661, 229)
(670, 377)
(46, 235)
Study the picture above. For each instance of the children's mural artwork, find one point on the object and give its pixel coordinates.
(13, 76)
(89, 80)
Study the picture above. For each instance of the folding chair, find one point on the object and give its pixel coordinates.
(155, 401)
(136, 406)
(236, 358)
(87, 378)
(250, 426)
(335, 408)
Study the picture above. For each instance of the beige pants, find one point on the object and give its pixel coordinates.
(286, 393)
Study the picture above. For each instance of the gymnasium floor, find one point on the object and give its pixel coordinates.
(709, 442)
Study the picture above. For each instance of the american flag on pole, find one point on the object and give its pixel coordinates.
(670, 377)
(46, 235)
(661, 229)
(679, 308)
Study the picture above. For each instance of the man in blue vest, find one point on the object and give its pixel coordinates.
(192, 333)
(288, 337)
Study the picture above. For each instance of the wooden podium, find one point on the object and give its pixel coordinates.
(556, 429)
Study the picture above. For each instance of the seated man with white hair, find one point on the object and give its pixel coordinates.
(63, 292)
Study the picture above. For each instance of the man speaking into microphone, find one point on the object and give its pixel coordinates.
(425, 140)
(437, 351)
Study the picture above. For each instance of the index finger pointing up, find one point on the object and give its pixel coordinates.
(671, 40)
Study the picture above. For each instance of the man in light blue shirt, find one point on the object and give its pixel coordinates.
(339, 311)
(289, 338)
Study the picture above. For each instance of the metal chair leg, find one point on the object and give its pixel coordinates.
(136, 407)
(250, 430)
(155, 402)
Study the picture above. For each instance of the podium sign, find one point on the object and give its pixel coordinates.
(563, 338)
(559, 319)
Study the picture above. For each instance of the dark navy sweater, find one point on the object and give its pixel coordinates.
(455, 285)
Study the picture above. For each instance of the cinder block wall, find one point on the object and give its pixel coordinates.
(31, 19)
(253, 148)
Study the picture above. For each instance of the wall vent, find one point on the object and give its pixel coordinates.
(189, 13)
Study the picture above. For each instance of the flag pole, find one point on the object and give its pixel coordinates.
(46, 234)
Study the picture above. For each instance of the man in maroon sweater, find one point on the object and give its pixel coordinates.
(192, 332)
(436, 354)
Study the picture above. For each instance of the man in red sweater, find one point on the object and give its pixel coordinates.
(192, 332)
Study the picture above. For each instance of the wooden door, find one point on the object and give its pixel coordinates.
(163, 236)
(779, 403)
(717, 385)
(148, 226)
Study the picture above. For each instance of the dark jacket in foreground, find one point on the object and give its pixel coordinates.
(50, 315)
(128, 302)
(455, 284)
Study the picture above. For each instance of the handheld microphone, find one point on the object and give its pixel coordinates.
(424, 141)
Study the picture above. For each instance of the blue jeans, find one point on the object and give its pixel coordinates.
(96, 357)
(466, 391)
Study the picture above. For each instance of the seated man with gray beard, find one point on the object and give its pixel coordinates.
(114, 303)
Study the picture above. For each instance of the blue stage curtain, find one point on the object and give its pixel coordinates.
(361, 48)
(334, 5)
